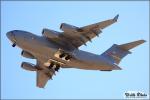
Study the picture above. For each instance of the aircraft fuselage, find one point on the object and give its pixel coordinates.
(44, 49)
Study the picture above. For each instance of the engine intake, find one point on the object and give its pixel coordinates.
(69, 28)
(28, 66)
(27, 54)
(50, 33)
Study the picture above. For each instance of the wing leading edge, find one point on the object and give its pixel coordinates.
(87, 33)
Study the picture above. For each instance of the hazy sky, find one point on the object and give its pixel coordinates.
(133, 24)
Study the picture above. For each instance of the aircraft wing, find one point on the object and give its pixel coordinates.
(42, 75)
(42, 79)
(86, 33)
(100, 25)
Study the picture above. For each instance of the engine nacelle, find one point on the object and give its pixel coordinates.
(69, 28)
(50, 33)
(27, 54)
(28, 66)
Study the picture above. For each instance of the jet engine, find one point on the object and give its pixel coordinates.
(27, 54)
(28, 66)
(50, 33)
(69, 28)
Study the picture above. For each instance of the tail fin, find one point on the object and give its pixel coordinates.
(117, 52)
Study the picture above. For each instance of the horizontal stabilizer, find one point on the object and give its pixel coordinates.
(131, 45)
(117, 52)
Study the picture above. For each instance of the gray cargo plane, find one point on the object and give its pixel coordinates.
(54, 50)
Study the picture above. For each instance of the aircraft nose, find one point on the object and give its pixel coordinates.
(10, 35)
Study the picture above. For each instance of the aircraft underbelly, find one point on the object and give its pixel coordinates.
(81, 59)
(89, 63)
(88, 66)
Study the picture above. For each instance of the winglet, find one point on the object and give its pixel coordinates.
(116, 17)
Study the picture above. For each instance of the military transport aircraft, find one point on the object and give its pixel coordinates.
(54, 50)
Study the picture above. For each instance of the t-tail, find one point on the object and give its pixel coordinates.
(117, 52)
